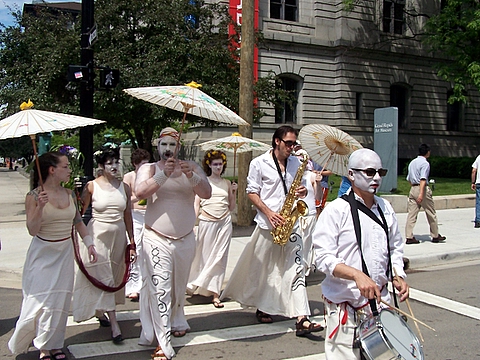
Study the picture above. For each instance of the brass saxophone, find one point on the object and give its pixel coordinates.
(292, 209)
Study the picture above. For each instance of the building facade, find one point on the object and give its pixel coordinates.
(344, 65)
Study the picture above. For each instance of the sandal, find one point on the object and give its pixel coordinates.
(301, 330)
(104, 322)
(134, 297)
(158, 354)
(46, 357)
(179, 333)
(263, 317)
(217, 303)
(59, 356)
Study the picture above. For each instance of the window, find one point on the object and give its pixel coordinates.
(399, 98)
(393, 16)
(359, 106)
(286, 109)
(453, 114)
(284, 9)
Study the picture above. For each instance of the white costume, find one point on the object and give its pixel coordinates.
(307, 223)
(335, 242)
(268, 276)
(213, 241)
(47, 283)
(168, 252)
(108, 230)
(134, 283)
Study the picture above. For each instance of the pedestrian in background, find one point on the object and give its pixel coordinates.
(214, 230)
(476, 188)
(134, 283)
(420, 196)
(48, 273)
(111, 222)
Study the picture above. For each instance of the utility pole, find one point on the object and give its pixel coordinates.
(247, 45)
(86, 87)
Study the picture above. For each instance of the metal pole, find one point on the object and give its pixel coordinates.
(244, 213)
(86, 88)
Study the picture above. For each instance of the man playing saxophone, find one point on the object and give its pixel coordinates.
(269, 276)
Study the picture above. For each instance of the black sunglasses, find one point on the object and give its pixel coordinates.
(289, 143)
(371, 172)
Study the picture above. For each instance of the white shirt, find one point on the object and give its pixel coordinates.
(418, 169)
(264, 180)
(476, 165)
(335, 242)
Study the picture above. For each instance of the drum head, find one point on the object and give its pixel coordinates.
(400, 336)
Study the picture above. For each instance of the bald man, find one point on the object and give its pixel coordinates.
(170, 186)
(347, 288)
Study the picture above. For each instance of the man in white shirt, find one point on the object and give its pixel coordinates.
(476, 188)
(420, 196)
(346, 288)
(269, 276)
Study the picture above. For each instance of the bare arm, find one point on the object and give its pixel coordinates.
(145, 185)
(127, 218)
(474, 178)
(34, 204)
(196, 205)
(87, 196)
(232, 195)
(196, 175)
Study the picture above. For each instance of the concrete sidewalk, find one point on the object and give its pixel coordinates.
(463, 241)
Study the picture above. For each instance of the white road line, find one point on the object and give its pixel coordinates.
(444, 303)
(102, 348)
(189, 310)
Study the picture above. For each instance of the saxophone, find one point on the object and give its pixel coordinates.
(292, 209)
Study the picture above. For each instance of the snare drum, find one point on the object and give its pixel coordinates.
(388, 337)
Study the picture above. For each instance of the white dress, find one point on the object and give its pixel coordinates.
(47, 284)
(213, 241)
(107, 228)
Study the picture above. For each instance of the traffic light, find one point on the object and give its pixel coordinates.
(109, 78)
(77, 73)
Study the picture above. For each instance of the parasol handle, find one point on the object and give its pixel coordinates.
(326, 162)
(36, 160)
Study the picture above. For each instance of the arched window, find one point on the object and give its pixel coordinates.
(286, 109)
(400, 98)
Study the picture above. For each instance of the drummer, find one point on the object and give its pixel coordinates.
(347, 288)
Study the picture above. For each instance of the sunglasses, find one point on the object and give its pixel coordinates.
(371, 172)
(289, 143)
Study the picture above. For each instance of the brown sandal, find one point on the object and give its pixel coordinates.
(263, 318)
(301, 330)
(158, 354)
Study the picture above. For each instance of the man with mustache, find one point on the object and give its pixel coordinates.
(170, 186)
(339, 254)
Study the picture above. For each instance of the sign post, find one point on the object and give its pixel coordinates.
(385, 140)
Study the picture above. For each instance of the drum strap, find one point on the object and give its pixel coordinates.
(355, 205)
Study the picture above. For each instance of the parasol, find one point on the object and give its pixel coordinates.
(328, 146)
(235, 143)
(31, 122)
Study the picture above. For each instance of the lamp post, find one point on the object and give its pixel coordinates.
(86, 87)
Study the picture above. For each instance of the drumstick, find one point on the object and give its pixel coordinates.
(407, 301)
(406, 314)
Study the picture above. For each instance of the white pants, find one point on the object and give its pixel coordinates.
(134, 283)
(165, 272)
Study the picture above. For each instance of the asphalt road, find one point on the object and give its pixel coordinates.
(456, 337)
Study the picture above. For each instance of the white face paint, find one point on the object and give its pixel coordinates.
(111, 166)
(216, 166)
(366, 160)
(166, 147)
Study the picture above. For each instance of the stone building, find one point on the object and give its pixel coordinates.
(344, 65)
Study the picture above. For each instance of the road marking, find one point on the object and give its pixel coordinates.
(103, 348)
(444, 303)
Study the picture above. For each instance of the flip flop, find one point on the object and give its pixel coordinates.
(179, 333)
(263, 318)
(217, 303)
(59, 356)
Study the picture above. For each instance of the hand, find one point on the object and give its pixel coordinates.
(42, 198)
(234, 186)
(318, 176)
(275, 219)
(419, 199)
(186, 168)
(301, 191)
(474, 187)
(368, 288)
(92, 254)
(402, 287)
(133, 256)
(169, 167)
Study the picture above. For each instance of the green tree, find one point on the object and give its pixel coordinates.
(454, 33)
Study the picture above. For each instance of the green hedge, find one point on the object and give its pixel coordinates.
(448, 167)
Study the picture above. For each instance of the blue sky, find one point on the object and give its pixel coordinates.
(5, 16)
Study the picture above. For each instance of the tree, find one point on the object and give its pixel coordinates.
(454, 33)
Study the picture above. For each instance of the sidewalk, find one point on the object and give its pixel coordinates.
(463, 241)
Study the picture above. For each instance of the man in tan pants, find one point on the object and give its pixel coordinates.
(420, 196)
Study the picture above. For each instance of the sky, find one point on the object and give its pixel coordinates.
(5, 16)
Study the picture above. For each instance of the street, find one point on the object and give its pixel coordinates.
(444, 298)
